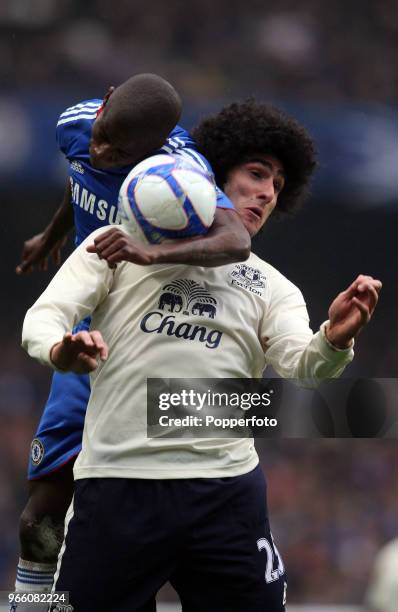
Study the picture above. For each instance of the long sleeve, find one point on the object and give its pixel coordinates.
(290, 346)
(75, 291)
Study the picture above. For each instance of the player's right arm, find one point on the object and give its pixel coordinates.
(73, 294)
(50, 241)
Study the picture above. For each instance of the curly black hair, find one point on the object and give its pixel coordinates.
(242, 130)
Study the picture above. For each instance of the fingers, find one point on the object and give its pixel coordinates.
(23, 268)
(34, 254)
(84, 348)
(368, 293)
(361, 281)
(363, 309)
(56, 255)
(90, 342)
(26, 265)
(116, 246)
(366, 297)
(85, 363)
(368, 281)
(100, 344)
(108, 243)
(67, 339)
(102, 241)
(111, 246)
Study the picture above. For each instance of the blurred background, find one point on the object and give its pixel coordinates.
(333, 65)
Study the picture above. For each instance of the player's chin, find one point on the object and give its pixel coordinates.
(252, 225)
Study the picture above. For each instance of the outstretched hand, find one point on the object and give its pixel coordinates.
(79, 352)
(352, 310)
(36, 252)
(115, 245)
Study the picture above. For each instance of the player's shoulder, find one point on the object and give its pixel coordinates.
(74, 126)
(179, 138)
(180, 132)
(388, 554)
(277, 282)
(181, 144)
(87, 109)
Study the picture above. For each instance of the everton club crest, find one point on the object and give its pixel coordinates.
(248, 278)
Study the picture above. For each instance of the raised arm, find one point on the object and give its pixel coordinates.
(292, 349)
(50, 241)
(226, 242)
(352, 310)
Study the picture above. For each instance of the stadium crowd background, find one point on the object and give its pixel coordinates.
(333, 503)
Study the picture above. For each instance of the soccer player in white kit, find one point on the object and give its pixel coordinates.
(191, 511)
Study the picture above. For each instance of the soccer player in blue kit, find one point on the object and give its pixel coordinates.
(102, 140)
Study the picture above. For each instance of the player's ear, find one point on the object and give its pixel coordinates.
(108, 94)
(102, 149)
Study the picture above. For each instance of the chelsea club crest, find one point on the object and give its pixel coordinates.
(36, 451)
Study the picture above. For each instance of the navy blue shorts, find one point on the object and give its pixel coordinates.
(58, 438)
(209, 537)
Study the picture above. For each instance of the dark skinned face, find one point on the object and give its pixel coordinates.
(112, 148)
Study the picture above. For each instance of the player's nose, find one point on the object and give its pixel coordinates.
(267, 192)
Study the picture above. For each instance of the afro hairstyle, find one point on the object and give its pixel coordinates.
(242, 130)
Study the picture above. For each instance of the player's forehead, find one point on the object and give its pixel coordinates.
(271, 162)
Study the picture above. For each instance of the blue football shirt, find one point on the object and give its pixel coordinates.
(95, 192)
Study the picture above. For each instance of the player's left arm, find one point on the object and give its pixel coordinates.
(50, 241)
(291, 347)
(227, 241)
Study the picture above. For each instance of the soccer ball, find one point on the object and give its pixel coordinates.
(166, 197)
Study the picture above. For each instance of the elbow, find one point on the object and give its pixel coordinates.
(27, 341)
(25, 336)
(241, 254)
(241, 247)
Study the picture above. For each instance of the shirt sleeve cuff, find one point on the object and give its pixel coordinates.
(46, 351)
(329, 346)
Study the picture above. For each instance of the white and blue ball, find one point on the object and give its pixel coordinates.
(167, 197)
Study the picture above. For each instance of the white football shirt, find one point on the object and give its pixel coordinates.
(174, 321)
